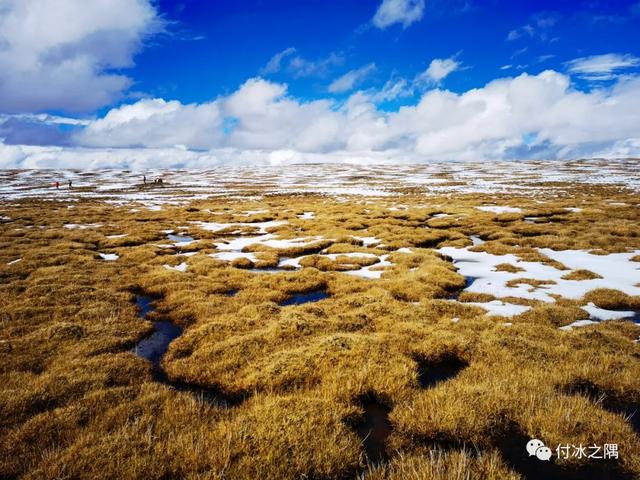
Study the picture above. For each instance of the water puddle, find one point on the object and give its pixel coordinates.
(231, 293)
(153, 347)
(468, 281)
(430, 372)
(373, 428)
(300, 298)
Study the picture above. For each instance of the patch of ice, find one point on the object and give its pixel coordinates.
(334, 256)
(290, 262)
(180, 240)
(500, 209)
(602, 314)
(217, 227)
(306, 216)
(501, 309)
(367, 272)
(578, 323)
(248, 213)
(13, 262)
(367, 241)
(110, 257)
(476, 240)
(4, 218)
(122, 235)
(231, 256)
(77, 226)
(616, 270)
(178, 268)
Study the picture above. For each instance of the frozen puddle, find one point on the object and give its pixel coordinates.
(109, 257)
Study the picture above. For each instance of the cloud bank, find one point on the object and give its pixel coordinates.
(528, 116)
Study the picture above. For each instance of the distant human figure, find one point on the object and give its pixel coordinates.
(144, 179)
(70, 184)
(57, 184)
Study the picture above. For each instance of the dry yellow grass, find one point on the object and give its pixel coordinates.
(76, 401)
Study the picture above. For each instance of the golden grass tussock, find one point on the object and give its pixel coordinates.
(257, 386)
(581, 274)
(507, 267)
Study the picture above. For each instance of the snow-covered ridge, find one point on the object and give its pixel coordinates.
(341, 180)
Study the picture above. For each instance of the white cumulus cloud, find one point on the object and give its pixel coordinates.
(405, 12)
(61, 54)
(438, 70)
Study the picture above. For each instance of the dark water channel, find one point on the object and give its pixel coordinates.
(153, 347)
(373, 428)
(430, 373)
(300, 298)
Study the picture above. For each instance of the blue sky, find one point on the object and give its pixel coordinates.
(215, 46)
(398, 80)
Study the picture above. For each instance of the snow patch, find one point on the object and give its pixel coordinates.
(178, 268)
(500, 209)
